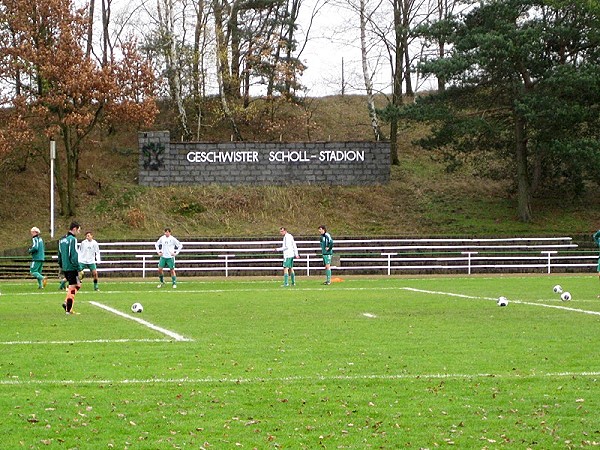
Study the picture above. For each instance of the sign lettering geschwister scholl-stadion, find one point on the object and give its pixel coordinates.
(163, 162)
(282, 156)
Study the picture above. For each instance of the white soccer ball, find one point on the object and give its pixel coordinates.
(137, 307)
(557, 289)
(502, 301)
(565, 296)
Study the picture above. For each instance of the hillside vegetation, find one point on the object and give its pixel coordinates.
(422, 198)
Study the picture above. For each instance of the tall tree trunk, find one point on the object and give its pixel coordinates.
(71, 172)
(173, 66)
(245, 78)
(407, 6)
(523, 187)
(441, 80)
(443, 11)
(60, 184)
(222, 62)
(273, 68)
(273, 74)
(90, 31)
(397, 81)
(232, 83)
(379, 136)
(198, 65)
(106, 45)
(221, 43)
(227, 111)
(407, 75)
(289, 44)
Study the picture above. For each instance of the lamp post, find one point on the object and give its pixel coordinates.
(52, 158)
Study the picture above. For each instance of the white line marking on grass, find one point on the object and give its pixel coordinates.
(85, 341)
(369, 315)
(235, 290)
(450, 294)
(172, 334)
(308, 378)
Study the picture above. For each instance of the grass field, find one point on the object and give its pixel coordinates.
(398, 362)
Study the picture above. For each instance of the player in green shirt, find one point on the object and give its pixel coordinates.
(68, 261)
(327, 252)
(37, 252)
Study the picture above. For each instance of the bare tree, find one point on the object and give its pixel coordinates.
(90, 31)
(367, 76)
(107, 50)
(289, 41)
(198, 61)
(397, 74)
(363, 15)
(166, 23)
(223, 66)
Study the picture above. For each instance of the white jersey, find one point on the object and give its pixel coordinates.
(288, 247)
(89, 252)
(169, 246)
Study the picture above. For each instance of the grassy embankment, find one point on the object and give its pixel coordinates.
(421, 199)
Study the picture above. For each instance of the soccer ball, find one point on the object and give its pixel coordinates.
(557, 289)
(502, 301)
(137, 308)
(566, 296)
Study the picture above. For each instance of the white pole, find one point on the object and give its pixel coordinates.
(52, 158)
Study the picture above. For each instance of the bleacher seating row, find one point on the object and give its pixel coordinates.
(353, 256)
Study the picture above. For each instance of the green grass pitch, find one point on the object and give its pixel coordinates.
(379, 362)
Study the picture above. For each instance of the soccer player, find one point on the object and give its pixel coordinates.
(167, 248)
(290, 251)
(89, 255)
(68, 261)
(327, 252)
(37, 251)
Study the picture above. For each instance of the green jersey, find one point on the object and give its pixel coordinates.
(596, 237)
(326, 244)
(37, 249)
(68, 258)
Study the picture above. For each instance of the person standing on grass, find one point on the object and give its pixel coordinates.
(37, 252)
(167, 248)
(326, 251)
(89, 255)
(290, 251)
(68, 261)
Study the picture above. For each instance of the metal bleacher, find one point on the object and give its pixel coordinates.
(352, 256)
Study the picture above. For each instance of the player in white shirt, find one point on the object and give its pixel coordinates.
(167, 247)
(290, 251)
(89, 255)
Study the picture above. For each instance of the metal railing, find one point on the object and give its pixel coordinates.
(354, 256)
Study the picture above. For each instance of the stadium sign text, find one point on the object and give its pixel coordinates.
(277, 156)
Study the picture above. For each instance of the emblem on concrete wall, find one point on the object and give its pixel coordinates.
(153, 156)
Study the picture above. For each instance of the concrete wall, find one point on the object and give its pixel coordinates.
(165, 163)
